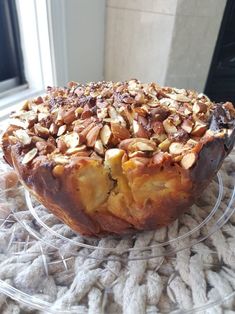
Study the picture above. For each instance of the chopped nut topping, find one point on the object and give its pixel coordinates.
(199, 129)
(119, 132)
(187, 125)
(23, 136)
(74, 150)
(99, 148)
(144, 120)
(61, 130)
(92, 135)
(164, 146)
(41, 131)
(179, 97)
(169, 126)
(176, 148)
(61, 159)
(188, 160)
(71, 140)
(29, 156)
(199, 107)
(105, 134)
(53, 129)
(20, 123)
(139, 130)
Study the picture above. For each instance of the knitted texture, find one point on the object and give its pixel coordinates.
(59, 276)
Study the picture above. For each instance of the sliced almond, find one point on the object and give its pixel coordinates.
(23, 136)
(115, 116)
(41, 108)
(180, 91)
(61, 159)
(86, 130)
(133, 85)
(140, 98)
(153, 104)
(138, 153)
(169, 126)
(176, 148)
(159, 137)
(129, 114)
(105, 134)
(139, 130)
(187, 111)
(92, 136)
(61, 145)
(99, 148)
(145, 147)
(188, 160)
(164, 146)
(36, 139)
(20, 123)
(199, 129)
(176, 119)
(42, 116)
(119, 132)
(142, 120)
(25, 105)
(72, 140)
(165, 101)
(199, 107)
(29, 156)
(17, 114)
(134, 144)
(190, 144)
(38, 100)
(69, 116)
(102, 113)
(53, 129)
(41, 145)
(75, 150)
(187, 125)
(41, 131)
(61, 130)
(201, 95)
(158, 158)
(158, 127)
(179, 97)
(87, 113)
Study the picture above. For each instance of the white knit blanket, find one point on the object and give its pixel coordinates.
(55, 275)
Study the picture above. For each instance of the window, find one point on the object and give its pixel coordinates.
(26, 52)
(11, 66)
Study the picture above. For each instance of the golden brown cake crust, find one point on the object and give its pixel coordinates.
(117, 157)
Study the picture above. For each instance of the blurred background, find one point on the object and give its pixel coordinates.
(183, 43)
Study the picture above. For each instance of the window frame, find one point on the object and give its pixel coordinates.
(37, 22)
(13, 75)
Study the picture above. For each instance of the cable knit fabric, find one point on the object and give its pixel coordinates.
(54, 270)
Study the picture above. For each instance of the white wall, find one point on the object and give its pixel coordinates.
(196, 29)
(78, 28)
(138, 39)
(85, 21)
(168, 41)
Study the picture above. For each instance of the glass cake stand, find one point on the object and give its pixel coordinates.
(33, 241)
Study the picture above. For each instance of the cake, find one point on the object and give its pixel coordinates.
(114, 158)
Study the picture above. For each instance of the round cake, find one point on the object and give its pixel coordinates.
(113, 158)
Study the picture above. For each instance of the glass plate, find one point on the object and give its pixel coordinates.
(43, 263)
